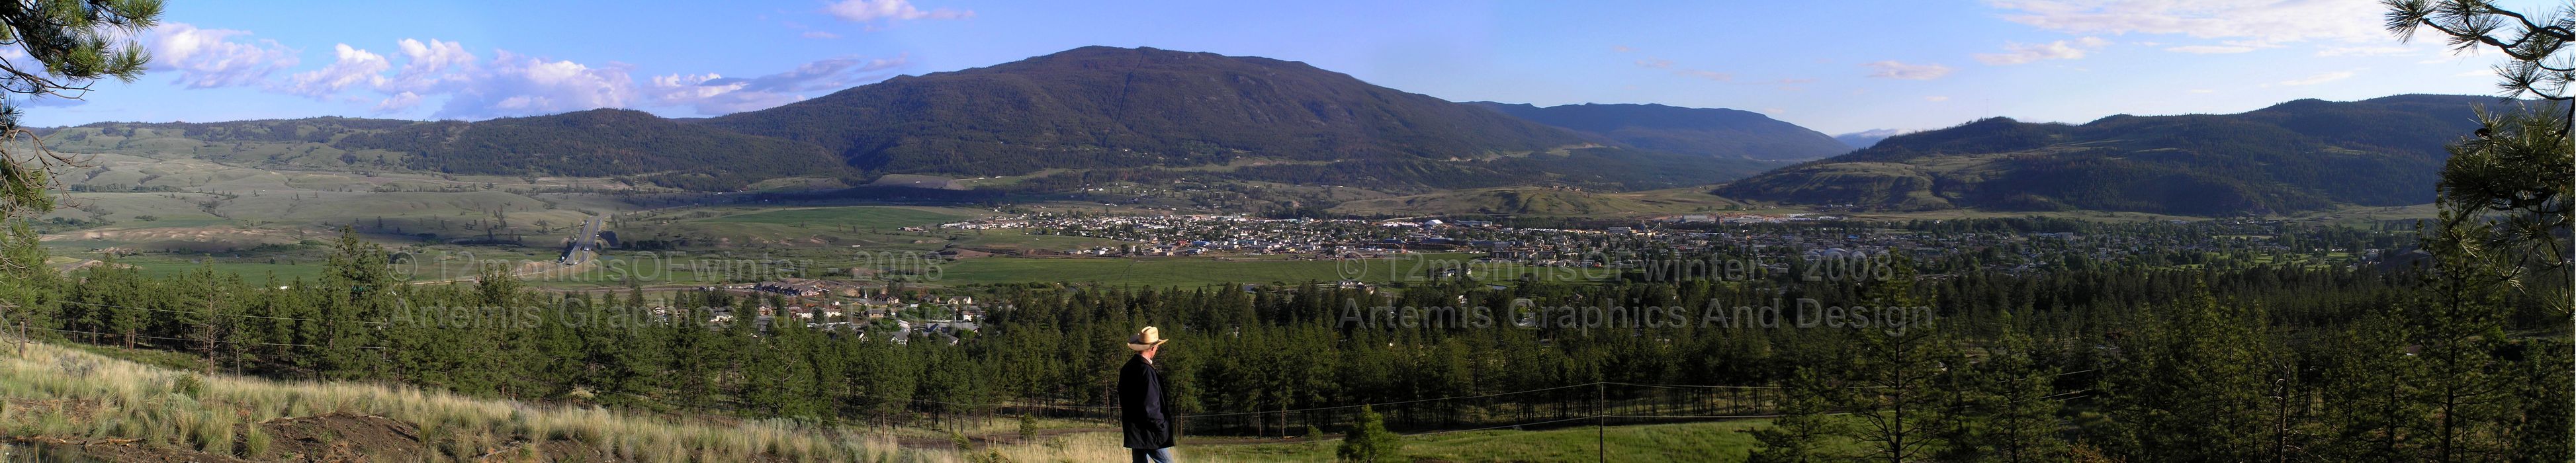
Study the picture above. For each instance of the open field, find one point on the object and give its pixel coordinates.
(848, 216)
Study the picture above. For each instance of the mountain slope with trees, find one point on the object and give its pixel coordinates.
(1717, 132)
(2294, 156)
(1088, 113)
(594, 143)
(1105, 107)
(604, 142)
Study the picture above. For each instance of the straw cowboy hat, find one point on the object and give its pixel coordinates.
(1146, 338)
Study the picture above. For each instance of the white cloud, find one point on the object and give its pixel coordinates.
(863, 11)
(398, 102)
(1657, 63)
(2018, 53)
(715, 94)
(819, 35)
(516, 84)
(432, 66)
(2476, 73)
(2225, 47)
(2366, 51)
(1897, 70)
(2209, 49)
(208, 58)
(445, 75)
(2279, 21)
(1936, 98)
(1622, 48)
(353, 67)
(2320, 78)
(2203, 90)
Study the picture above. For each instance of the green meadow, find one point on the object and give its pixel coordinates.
(847, 216)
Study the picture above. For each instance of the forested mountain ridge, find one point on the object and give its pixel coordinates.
(594, 143)
(604, 142)
(1718, 132)
(1106, 107)
(1083, 115)
(2294, 156)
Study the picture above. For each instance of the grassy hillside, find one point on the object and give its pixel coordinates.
(603, 143)
(595, 143)
(106, 404)
(76, 404)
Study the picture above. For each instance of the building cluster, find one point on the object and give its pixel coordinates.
(862, 308)
(1770, 238)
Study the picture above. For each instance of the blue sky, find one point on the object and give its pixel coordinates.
(1833, 66)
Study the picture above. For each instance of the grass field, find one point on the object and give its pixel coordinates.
(848, 216)
(58, 394)
(1715, 442)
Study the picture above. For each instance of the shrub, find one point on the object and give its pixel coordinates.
(188, 385)
(213, 434)
(254, 442)
(1369, 440)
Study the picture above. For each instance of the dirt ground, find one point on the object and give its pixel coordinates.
(340, 437)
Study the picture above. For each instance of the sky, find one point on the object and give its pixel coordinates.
(1836, 67)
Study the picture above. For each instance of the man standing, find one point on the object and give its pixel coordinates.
(1140, 401)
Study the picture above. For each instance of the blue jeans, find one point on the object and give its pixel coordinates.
(1161, 455)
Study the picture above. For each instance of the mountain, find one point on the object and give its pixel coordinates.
(1105, 107)
(603, 142)
(1120, 108)
(1065, 121)
(594, 143)
(1715, 132)
(1866, 138)
(2294, 156)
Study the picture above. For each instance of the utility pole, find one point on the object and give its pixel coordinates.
(1601, 419)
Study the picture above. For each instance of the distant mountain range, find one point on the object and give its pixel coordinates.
(1716, 132)
(2295, 156)
(1068, 121)
(1866, 138)
(1097, 112)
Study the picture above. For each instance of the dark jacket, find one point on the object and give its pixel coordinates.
(1141, 412)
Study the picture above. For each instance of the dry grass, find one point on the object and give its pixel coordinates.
(65, 393)
(1076, 447)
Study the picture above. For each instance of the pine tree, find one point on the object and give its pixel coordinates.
(1898, 404)
(1806, 425)
(1369, 441)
